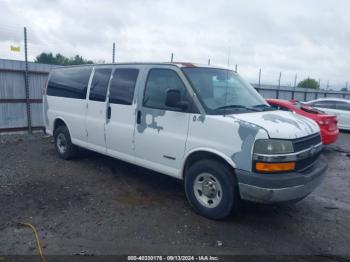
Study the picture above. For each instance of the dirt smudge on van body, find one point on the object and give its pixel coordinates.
(154, 113)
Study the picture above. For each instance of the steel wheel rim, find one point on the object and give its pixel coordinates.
(61, 143)
(207, 190)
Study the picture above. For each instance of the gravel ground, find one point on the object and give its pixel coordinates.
(98, 205)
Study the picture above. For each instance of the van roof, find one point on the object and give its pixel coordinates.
(177, 64)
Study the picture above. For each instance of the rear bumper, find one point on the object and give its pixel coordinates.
(272, 188)
(329, 137)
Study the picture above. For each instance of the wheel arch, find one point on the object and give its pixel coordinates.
(205, 153)
(59, 122)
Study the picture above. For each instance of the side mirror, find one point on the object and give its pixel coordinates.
(173, 99)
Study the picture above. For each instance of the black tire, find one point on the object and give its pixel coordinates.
(229, 202)
(62, 138)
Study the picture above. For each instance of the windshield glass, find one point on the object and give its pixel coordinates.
(223, 90)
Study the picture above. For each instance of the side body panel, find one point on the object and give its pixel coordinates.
(343, 117)
(226, 136)
(72, 112)
(95, 121)
(120, 127)
(160, 137)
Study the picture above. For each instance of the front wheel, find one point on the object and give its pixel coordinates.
(211, 189)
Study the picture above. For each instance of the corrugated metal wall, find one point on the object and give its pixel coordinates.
(13, 114)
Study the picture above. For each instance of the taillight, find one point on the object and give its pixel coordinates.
(329, 123)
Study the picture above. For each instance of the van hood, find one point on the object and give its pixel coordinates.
(281, 124)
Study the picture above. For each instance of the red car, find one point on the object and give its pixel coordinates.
(327, 123)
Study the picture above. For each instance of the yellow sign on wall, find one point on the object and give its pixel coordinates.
(15, 48)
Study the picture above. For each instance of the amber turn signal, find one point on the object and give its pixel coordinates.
(274, 167)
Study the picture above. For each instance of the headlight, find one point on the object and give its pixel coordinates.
(271, 147)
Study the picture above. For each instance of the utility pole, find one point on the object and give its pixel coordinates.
(279, 80)
(209, 61)
(346, 85)
(279, 85)
(295, 86)
(172, 57)
(259, 77)
(236, 68)
(113, 56)
(26, 82)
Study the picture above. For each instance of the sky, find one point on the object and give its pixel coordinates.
(304, 38)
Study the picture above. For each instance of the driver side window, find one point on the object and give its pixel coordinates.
(159, 81)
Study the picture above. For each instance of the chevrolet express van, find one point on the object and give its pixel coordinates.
(202, 124)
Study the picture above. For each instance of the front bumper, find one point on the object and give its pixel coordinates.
(272, 188)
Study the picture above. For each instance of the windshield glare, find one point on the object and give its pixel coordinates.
(221, 89)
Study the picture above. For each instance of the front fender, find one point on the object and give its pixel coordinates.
(226, 158)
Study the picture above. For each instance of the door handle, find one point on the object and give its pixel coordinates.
(109, 112)
(138, 117)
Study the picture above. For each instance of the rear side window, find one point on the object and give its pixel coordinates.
(324, 104)
(342, 106)
(69, 82)
(123, 86)
(99, 84)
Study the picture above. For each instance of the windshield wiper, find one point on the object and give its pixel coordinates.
(263, 107)
(236, 106)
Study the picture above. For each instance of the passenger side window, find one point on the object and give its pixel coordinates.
(158, 82)
(342, 106)
(99, 84)
(69, 82)
(123, 86)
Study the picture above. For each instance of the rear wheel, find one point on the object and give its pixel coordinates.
(63, 144)
(211, 189)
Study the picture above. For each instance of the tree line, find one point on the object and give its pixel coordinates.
(59, 59)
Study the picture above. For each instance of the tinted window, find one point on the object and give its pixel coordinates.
(123, 86)
(99, 84)
(158, 82)
(69, 82)
(284, 108)
(342, 106)
(275, 107)
(324, 104)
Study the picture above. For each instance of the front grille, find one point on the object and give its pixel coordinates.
(306, 163)
(303, 143)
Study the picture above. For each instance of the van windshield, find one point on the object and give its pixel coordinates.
(222, 90)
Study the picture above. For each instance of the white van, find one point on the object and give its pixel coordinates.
(204, 125)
